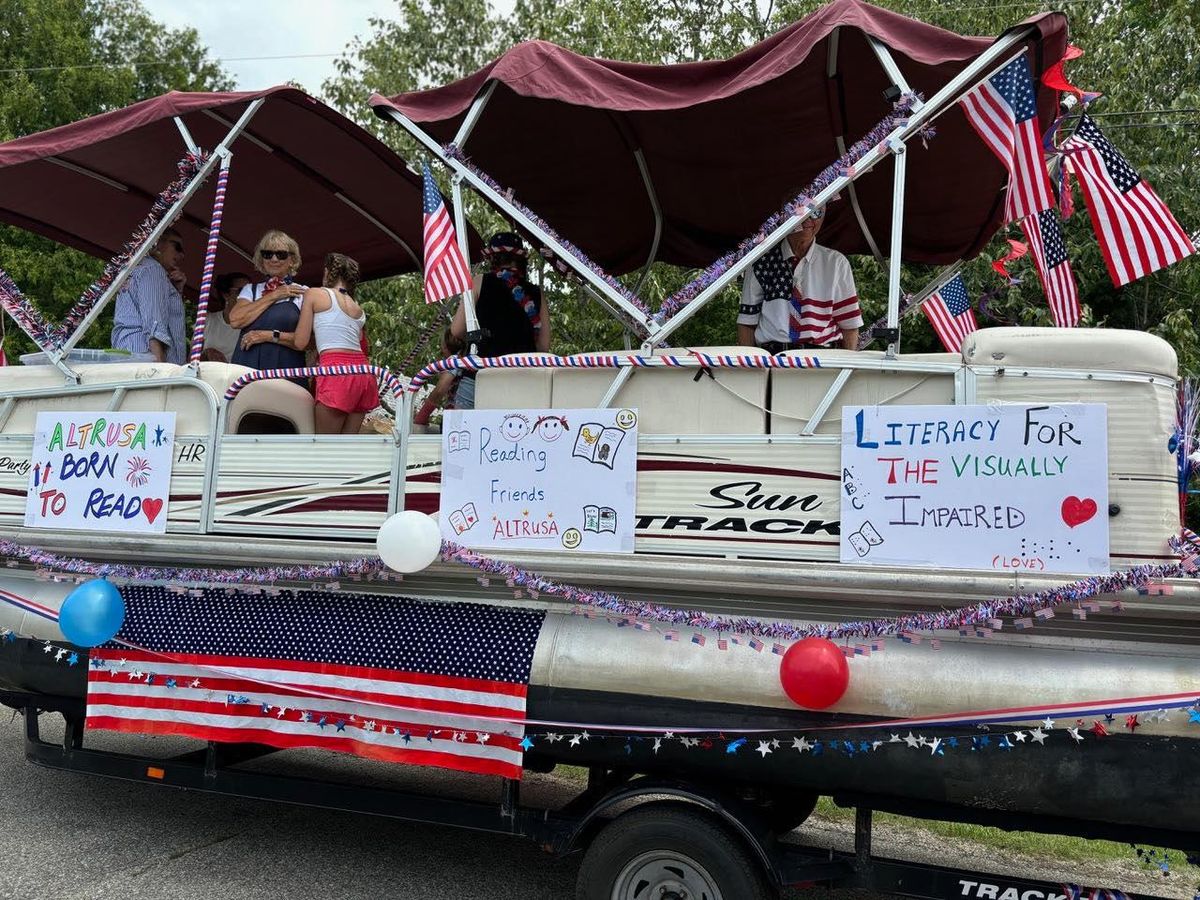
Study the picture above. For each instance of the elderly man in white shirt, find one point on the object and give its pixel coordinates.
(800, 295)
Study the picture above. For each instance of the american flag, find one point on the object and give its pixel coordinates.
(948, 310)
(1003, 110)
(1137, 233)
(446, 272)
(1044, 233)
(381, 677)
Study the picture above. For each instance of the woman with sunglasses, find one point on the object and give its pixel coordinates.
(267, 312)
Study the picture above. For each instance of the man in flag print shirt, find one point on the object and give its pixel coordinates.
(799, 295)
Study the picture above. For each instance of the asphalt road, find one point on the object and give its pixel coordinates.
(79, 836)
(70, 835)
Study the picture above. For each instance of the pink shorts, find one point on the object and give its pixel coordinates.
(347, 393)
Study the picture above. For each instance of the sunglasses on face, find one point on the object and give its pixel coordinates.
(275, 254)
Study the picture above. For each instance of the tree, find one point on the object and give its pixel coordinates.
(432, 42)
(64, 60)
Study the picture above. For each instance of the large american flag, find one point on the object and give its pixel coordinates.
(1137, 233)
(446, 271)
(393, 679)
(948, 310)
(1044, 233)
(1003, 110)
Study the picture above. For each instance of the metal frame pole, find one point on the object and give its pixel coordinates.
(147, 245)
(966, 80)
(460, 227)
(652, 195)
(900, 152)
(210, 256)
(502, 203)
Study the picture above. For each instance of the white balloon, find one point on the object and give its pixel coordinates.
(409, 541)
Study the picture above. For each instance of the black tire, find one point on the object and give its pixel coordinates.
(787, 810)
(665, 845)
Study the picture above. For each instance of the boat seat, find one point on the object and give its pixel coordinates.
(796, 393)
(271, 407)
(676, 401)
(513, 388)
(1071, 348)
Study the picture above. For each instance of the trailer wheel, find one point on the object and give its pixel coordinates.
(668, 851)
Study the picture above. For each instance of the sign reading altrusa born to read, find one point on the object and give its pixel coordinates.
(101, 471)
(540, 479)
(1003, 487)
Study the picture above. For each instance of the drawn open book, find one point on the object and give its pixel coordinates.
(463, 519)
(598, 444)
(599, 518)
(864, 539)
(459, 440)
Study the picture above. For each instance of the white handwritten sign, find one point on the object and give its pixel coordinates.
(540, 479)
(1006, 487)
(101, 471)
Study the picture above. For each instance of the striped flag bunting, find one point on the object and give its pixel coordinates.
(1043, 231)
(1003, 111)
(948, 310)
(398, 680)
(446, 270)
(1137, 232)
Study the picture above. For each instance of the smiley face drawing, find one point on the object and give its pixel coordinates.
(514, 427)
(550, 428)
(571, 538)
(626, 418)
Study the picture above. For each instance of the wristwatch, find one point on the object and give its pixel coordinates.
(275, 335)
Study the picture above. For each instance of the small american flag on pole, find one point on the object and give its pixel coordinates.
(381, 677)
(446, 272)
(948, 310)
(1003, 110)
(1137, 233)
(1044, 233)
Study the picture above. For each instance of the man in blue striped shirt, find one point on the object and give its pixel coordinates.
(148, 317)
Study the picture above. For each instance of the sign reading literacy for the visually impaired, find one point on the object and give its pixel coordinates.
(1009, 487)
(101, 471)
(540, 479)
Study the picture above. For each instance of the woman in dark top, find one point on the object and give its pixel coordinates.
(511, 311)
(267, 312)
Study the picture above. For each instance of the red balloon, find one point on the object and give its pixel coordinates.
(814, 673)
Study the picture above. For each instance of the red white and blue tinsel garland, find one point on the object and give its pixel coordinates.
(978, 617)
(49, 336)
(840, 168)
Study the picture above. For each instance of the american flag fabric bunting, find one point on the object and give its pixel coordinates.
(382, 677)
(1137, 233)
(446, 271)
(948, 310)
(1003, 111)
(1044, 233)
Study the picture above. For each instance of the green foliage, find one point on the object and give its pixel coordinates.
(64, 60)
(432, 42)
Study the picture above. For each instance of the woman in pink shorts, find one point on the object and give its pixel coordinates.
(332, 317)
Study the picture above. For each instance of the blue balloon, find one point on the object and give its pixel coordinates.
(92, 613)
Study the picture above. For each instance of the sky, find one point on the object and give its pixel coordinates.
(258, 28)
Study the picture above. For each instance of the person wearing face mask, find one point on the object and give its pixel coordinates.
(511, 311)
(800, 295)
(148, 317)
(267, 312)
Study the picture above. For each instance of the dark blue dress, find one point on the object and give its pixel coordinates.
(282, 316)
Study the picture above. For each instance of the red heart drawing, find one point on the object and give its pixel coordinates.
(152, 507)
(1076, 511)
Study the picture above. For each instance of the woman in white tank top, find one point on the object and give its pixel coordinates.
(332, 318)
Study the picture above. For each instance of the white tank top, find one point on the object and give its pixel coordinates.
(334, 330)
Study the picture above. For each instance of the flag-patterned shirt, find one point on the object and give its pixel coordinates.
(814, 306)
